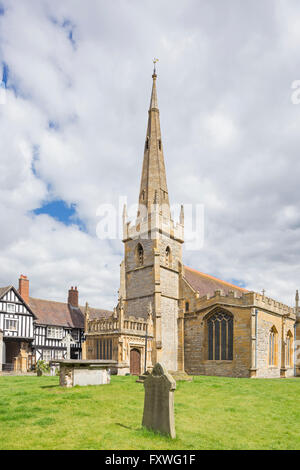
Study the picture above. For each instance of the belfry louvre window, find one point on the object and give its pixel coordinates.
(220, 337)
(140, 255)
(168, 256)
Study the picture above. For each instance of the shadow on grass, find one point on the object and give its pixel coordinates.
(49, 386)
(127, 427)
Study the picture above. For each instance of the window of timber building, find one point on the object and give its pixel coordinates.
(220, 336)
(104, 348)
(289, 349)
(11, 325)
(140, 255)
(273, 347)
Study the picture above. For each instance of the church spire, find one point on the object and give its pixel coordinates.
(153, 188)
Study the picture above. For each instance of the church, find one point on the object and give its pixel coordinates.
(170, 313)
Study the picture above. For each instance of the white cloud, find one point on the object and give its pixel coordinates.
(230, 132)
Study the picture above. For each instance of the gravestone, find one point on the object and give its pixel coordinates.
(159, 401)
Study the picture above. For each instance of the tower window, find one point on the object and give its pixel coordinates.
(147, 143)
(168, 256)
(140, 255)
(159, 144)
(220, 336)
(187, 306)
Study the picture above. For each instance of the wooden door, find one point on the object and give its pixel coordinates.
(135, 362)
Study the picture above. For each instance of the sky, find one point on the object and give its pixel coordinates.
(77, 83)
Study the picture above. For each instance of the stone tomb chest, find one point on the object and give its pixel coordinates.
(79, 372)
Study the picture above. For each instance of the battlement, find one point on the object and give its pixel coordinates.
(252, 299)
(151, 225)
(119, 325)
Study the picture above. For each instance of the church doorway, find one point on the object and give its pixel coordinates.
(135, 362)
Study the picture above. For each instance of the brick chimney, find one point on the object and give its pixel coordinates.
(24, 288)
(73, 297)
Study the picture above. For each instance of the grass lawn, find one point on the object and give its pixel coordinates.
(210, 413)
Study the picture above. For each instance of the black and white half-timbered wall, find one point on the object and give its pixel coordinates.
(36, 329)
(17, 325)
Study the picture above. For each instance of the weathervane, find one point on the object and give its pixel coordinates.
(155, 62)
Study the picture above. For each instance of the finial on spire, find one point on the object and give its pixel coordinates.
(155, 60)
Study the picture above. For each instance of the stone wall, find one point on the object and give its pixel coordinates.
(196, 345)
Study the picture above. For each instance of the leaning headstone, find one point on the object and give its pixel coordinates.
(159, 401)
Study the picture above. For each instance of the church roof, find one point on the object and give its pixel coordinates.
(98, 314)
(49, 312)
(206, 284)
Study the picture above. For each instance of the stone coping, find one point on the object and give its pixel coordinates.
(81, 362)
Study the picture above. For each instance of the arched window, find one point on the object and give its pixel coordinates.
(140, 255)
(273, 346)
(168, 256)
(289, 348)
(220, 336)
(187, 306)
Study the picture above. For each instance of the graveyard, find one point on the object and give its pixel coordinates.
(210, 413)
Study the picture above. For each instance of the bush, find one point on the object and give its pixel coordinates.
(42, 367)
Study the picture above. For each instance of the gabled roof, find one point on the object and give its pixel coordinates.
(49, 312)
(4, 290)
(206, 284)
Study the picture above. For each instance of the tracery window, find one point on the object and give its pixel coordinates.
(220, 336)
(289, 348)
(273, 346)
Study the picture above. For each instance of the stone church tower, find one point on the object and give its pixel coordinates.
(153, 250)
(169, 313)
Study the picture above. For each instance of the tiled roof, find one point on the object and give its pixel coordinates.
(97, 313)
(53, 313)
(3, 290)
(206, 284)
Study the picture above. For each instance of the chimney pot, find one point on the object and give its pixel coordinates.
(73, 297)
(24, 288)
